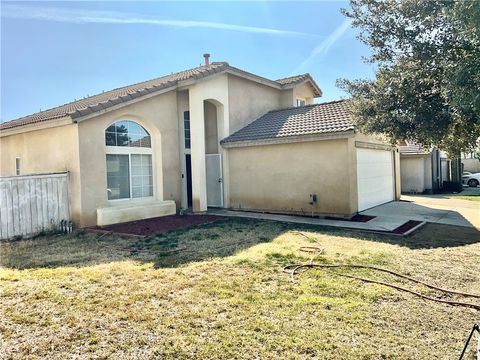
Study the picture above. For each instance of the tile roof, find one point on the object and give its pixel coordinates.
(293, 79)
(412, 149)
(331, 117)
(111, 98)
(297, 79)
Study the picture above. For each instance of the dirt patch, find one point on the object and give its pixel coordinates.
(159, 225)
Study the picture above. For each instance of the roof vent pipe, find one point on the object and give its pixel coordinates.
(207, 57)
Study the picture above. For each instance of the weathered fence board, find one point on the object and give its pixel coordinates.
(32, 203)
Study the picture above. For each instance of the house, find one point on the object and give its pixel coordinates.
(425, 170)
(210, 136)
(471, 162)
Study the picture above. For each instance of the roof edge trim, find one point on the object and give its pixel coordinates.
(39, 125)
(79, 117)
(289, 139)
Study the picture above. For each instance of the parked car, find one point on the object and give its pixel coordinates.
(466, 173)
(472, 180)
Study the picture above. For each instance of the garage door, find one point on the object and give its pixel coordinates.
(375, 177)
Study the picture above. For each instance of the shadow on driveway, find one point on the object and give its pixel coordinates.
(433, 209)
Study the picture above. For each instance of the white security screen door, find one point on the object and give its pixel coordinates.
(213, 167)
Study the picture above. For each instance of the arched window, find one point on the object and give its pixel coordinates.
(127, 133)
(129, 161)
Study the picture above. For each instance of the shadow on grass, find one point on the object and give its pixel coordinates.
(199, 243)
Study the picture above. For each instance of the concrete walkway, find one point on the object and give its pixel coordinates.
(440, 209)
(377, 224)
(432, 208)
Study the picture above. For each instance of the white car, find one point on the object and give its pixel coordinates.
(472, 180)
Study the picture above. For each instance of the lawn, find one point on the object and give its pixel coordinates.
(217, 291)
(466, 197)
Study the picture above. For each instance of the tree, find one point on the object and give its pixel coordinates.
(427, 85)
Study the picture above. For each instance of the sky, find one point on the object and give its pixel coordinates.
(55, 52)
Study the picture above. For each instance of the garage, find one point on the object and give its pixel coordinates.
(375, 177)
(308, 161)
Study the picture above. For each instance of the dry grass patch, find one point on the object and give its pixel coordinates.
(466, 197)
(218, 291)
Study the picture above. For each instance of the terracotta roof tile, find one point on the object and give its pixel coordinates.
(331, 117)
(412, 149)
(297, 79)
(114, 97)
(293, 79)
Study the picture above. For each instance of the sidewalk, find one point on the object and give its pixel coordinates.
(377, 224)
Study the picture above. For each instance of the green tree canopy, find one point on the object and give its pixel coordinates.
(427, 85)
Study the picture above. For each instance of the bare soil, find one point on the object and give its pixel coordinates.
(159, 225)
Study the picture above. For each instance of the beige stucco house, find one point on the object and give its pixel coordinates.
(423, 170)
(211, 136)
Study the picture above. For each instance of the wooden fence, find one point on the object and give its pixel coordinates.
(32, 203)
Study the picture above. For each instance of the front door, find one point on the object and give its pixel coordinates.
(188, 168)
(213, 167)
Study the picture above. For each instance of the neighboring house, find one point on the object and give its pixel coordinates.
(471, 162)
(423, 170)
(211, 136)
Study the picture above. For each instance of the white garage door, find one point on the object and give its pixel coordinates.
(375, 177)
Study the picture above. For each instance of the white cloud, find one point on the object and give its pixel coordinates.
(80, 16)
(323, 48)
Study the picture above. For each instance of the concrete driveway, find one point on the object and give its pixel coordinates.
(431, 208)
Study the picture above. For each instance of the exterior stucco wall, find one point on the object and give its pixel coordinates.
(415, 173)
(303, 91)
(214, 91)
(249, 100)
(45, 151)
(182, 106)
(369, 138)
(427, 173)
(211, 131)
(398, 175)
(471, 165)
(287, 99)
(281, 177)
(158, 115)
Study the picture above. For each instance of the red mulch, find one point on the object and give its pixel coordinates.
(402, 229)
(158, 225)
(356, 218)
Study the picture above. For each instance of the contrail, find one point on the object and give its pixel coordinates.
(80, 16)
(323, 48)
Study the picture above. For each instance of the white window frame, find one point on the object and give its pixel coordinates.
(130, 150)
(189, 131)
(18, 166)
(300, 99)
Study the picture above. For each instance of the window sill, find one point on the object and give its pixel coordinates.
(132, 201)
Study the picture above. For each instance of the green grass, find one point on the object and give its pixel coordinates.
(218, 292)
(466, 197)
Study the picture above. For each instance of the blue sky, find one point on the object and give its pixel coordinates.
(55, 52)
